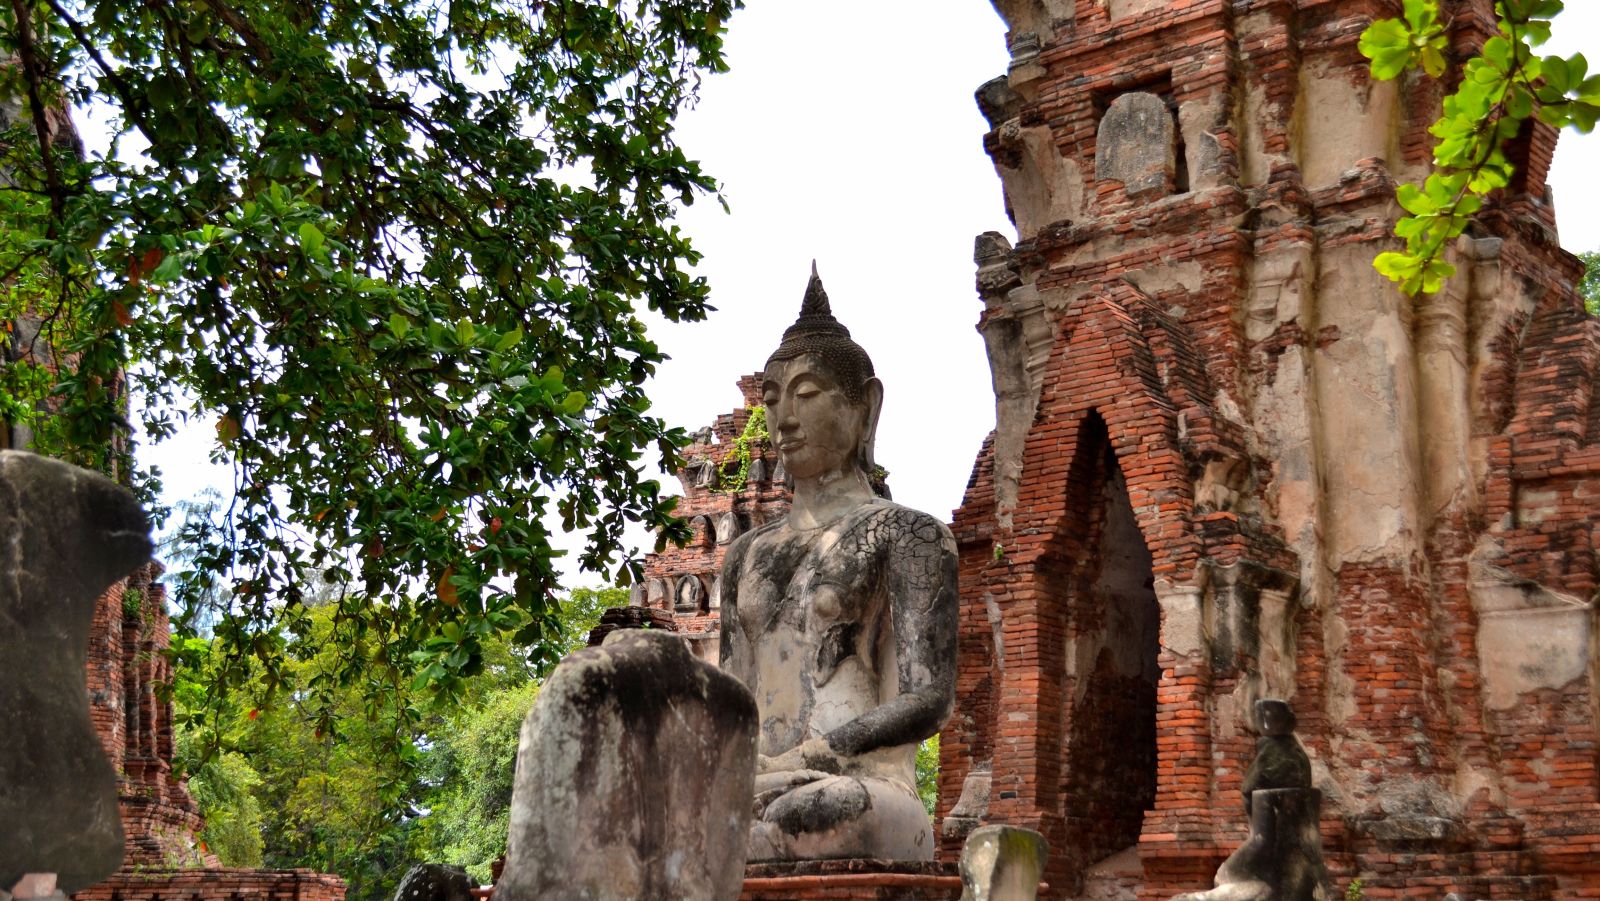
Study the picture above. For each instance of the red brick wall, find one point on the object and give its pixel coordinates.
(216, 884)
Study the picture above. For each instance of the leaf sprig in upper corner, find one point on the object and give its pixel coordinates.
(1500, 89)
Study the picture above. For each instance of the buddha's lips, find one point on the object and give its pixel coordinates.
(789, 444)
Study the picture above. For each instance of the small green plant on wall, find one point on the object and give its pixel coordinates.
(735, 471)
(1353, 893)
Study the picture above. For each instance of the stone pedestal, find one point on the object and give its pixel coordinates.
(1282, 858)
(851, 880)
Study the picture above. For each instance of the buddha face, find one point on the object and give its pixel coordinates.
(813, 423)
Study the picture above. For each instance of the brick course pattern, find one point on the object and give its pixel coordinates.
(125, 664)
(216, 884)
(1230, 462)
(851, 880)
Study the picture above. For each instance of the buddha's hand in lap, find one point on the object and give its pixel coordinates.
(811, 754)
(772, 786)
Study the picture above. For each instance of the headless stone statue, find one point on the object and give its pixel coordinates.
(1280, 762)
(1282, 858)
(633, 778)
(66, 534)
(840, 617)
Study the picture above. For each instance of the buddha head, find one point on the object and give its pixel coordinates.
(821, 396)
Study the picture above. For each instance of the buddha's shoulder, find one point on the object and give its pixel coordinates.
(903, 522)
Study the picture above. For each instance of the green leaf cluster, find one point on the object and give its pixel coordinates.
(1500, 89)
(1589, 285)
(395, 251)
(225, 788)
(928, 773)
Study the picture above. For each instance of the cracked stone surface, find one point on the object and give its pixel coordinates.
(819, 617)
(66, 534)
(634, 777)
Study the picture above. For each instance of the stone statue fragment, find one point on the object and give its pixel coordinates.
(434, 882)
(691, 594)
(68, 534)
(655, 593)
(840, 617)
(705, 473)
(1137, 145)
(727, 527)
(1282, 858)
(1002, 863)
(634, 777)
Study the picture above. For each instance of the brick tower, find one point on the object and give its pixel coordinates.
(1232, 462)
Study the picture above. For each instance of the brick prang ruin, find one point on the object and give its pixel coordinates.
(1231, 462)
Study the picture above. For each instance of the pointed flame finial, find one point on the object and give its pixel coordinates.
(817, 332)
(816, 315)
(816, 299)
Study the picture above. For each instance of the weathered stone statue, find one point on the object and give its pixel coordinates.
(841, 617)
(634, 776)
(1282, 858)
(1003, 863)
(67, 534)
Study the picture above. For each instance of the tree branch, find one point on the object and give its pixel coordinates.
(35, 75)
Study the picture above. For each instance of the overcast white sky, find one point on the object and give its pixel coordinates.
(846, 132)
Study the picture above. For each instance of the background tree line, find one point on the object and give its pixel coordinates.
(282, 793)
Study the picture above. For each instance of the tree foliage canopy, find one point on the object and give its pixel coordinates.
(1589, 285)
(1500, 89)
(396, 250)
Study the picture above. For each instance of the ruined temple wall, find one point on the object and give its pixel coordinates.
(1374, 505)
(215, 884)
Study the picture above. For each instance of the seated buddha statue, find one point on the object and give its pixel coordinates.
(840, 617)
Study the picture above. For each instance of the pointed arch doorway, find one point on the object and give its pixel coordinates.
(1113, 628)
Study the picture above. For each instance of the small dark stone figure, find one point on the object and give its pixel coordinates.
(1282, 858)
(66, 534)
(435, 882)
(1280, 761)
